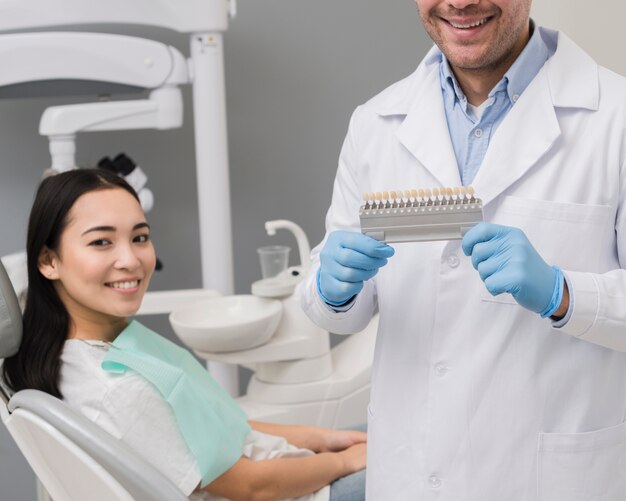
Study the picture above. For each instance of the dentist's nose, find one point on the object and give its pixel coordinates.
(461, 4)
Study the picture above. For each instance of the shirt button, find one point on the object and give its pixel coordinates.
(478, 133)
(515, 97)
(434, 481)
(441, 369)
(453, 261)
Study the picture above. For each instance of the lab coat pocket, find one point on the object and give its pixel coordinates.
(582, 466)
(500, 298)
(573, 236)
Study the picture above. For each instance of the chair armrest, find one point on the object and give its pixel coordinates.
(142, 480)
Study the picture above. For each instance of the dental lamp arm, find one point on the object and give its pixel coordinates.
(163, 110)
(94, 57)
(184, 16)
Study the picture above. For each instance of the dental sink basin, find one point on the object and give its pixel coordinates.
(227, 323)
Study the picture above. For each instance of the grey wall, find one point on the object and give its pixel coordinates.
(598, 30)
(294, 72)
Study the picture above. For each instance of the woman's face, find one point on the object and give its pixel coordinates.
(105, 258)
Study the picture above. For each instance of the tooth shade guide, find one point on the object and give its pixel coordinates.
(437, 198)
(424, 214)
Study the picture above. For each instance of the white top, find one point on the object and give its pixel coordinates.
(131, 409)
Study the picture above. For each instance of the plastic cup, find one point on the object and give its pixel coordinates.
(274, 259)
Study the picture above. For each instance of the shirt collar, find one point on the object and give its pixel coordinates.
(515, 80)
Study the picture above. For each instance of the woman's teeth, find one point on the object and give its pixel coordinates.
(124, 285)
(467, 26)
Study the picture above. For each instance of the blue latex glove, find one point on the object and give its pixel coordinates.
(346, 261)
(507, 262)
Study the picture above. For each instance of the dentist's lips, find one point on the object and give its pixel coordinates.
(466, 27)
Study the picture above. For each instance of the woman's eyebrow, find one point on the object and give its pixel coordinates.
(98, 228)
(112, 228)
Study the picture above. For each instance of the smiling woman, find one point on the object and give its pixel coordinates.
(90, 260)
(104, 262)
(55, 308)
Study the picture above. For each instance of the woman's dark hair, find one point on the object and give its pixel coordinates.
(46, 321)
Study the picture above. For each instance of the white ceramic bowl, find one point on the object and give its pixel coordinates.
(227, 323)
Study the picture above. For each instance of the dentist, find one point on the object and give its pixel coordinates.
(500, 364)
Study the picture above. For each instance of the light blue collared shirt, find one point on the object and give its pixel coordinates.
(470, 136)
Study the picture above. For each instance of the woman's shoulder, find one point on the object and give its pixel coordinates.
(104, 397)
(81, 361)
(85, 384)
(81, 366)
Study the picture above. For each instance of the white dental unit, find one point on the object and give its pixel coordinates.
(298, 378)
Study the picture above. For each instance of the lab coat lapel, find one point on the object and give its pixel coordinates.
(425, 134)
(525, 135)
(569, 79)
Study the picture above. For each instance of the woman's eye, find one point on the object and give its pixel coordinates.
(101, 242)
(142, 238)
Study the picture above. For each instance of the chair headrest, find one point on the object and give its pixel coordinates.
(10, 317)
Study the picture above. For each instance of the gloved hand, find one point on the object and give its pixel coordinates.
(507, 262)
(346, 261)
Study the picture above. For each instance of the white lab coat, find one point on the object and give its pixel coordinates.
(473, 397)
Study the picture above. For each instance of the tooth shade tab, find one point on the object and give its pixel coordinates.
(422, 197)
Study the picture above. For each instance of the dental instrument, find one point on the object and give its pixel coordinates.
(420, 215)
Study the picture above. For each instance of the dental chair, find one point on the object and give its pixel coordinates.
(73, 458)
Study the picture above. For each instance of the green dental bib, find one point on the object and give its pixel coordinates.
(212, 424)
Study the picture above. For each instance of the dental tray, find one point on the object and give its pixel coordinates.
(420, 215)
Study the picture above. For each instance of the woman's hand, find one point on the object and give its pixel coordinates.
(339, 440)
(314, 438)
(354, 457)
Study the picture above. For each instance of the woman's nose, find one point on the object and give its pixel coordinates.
(127, 258)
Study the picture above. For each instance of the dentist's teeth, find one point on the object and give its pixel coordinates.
(124, 285)
(467, 26)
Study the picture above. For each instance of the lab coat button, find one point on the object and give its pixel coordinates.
(453, 261)
(441, 369)
(434, 481)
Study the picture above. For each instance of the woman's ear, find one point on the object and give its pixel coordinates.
(47, 264)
